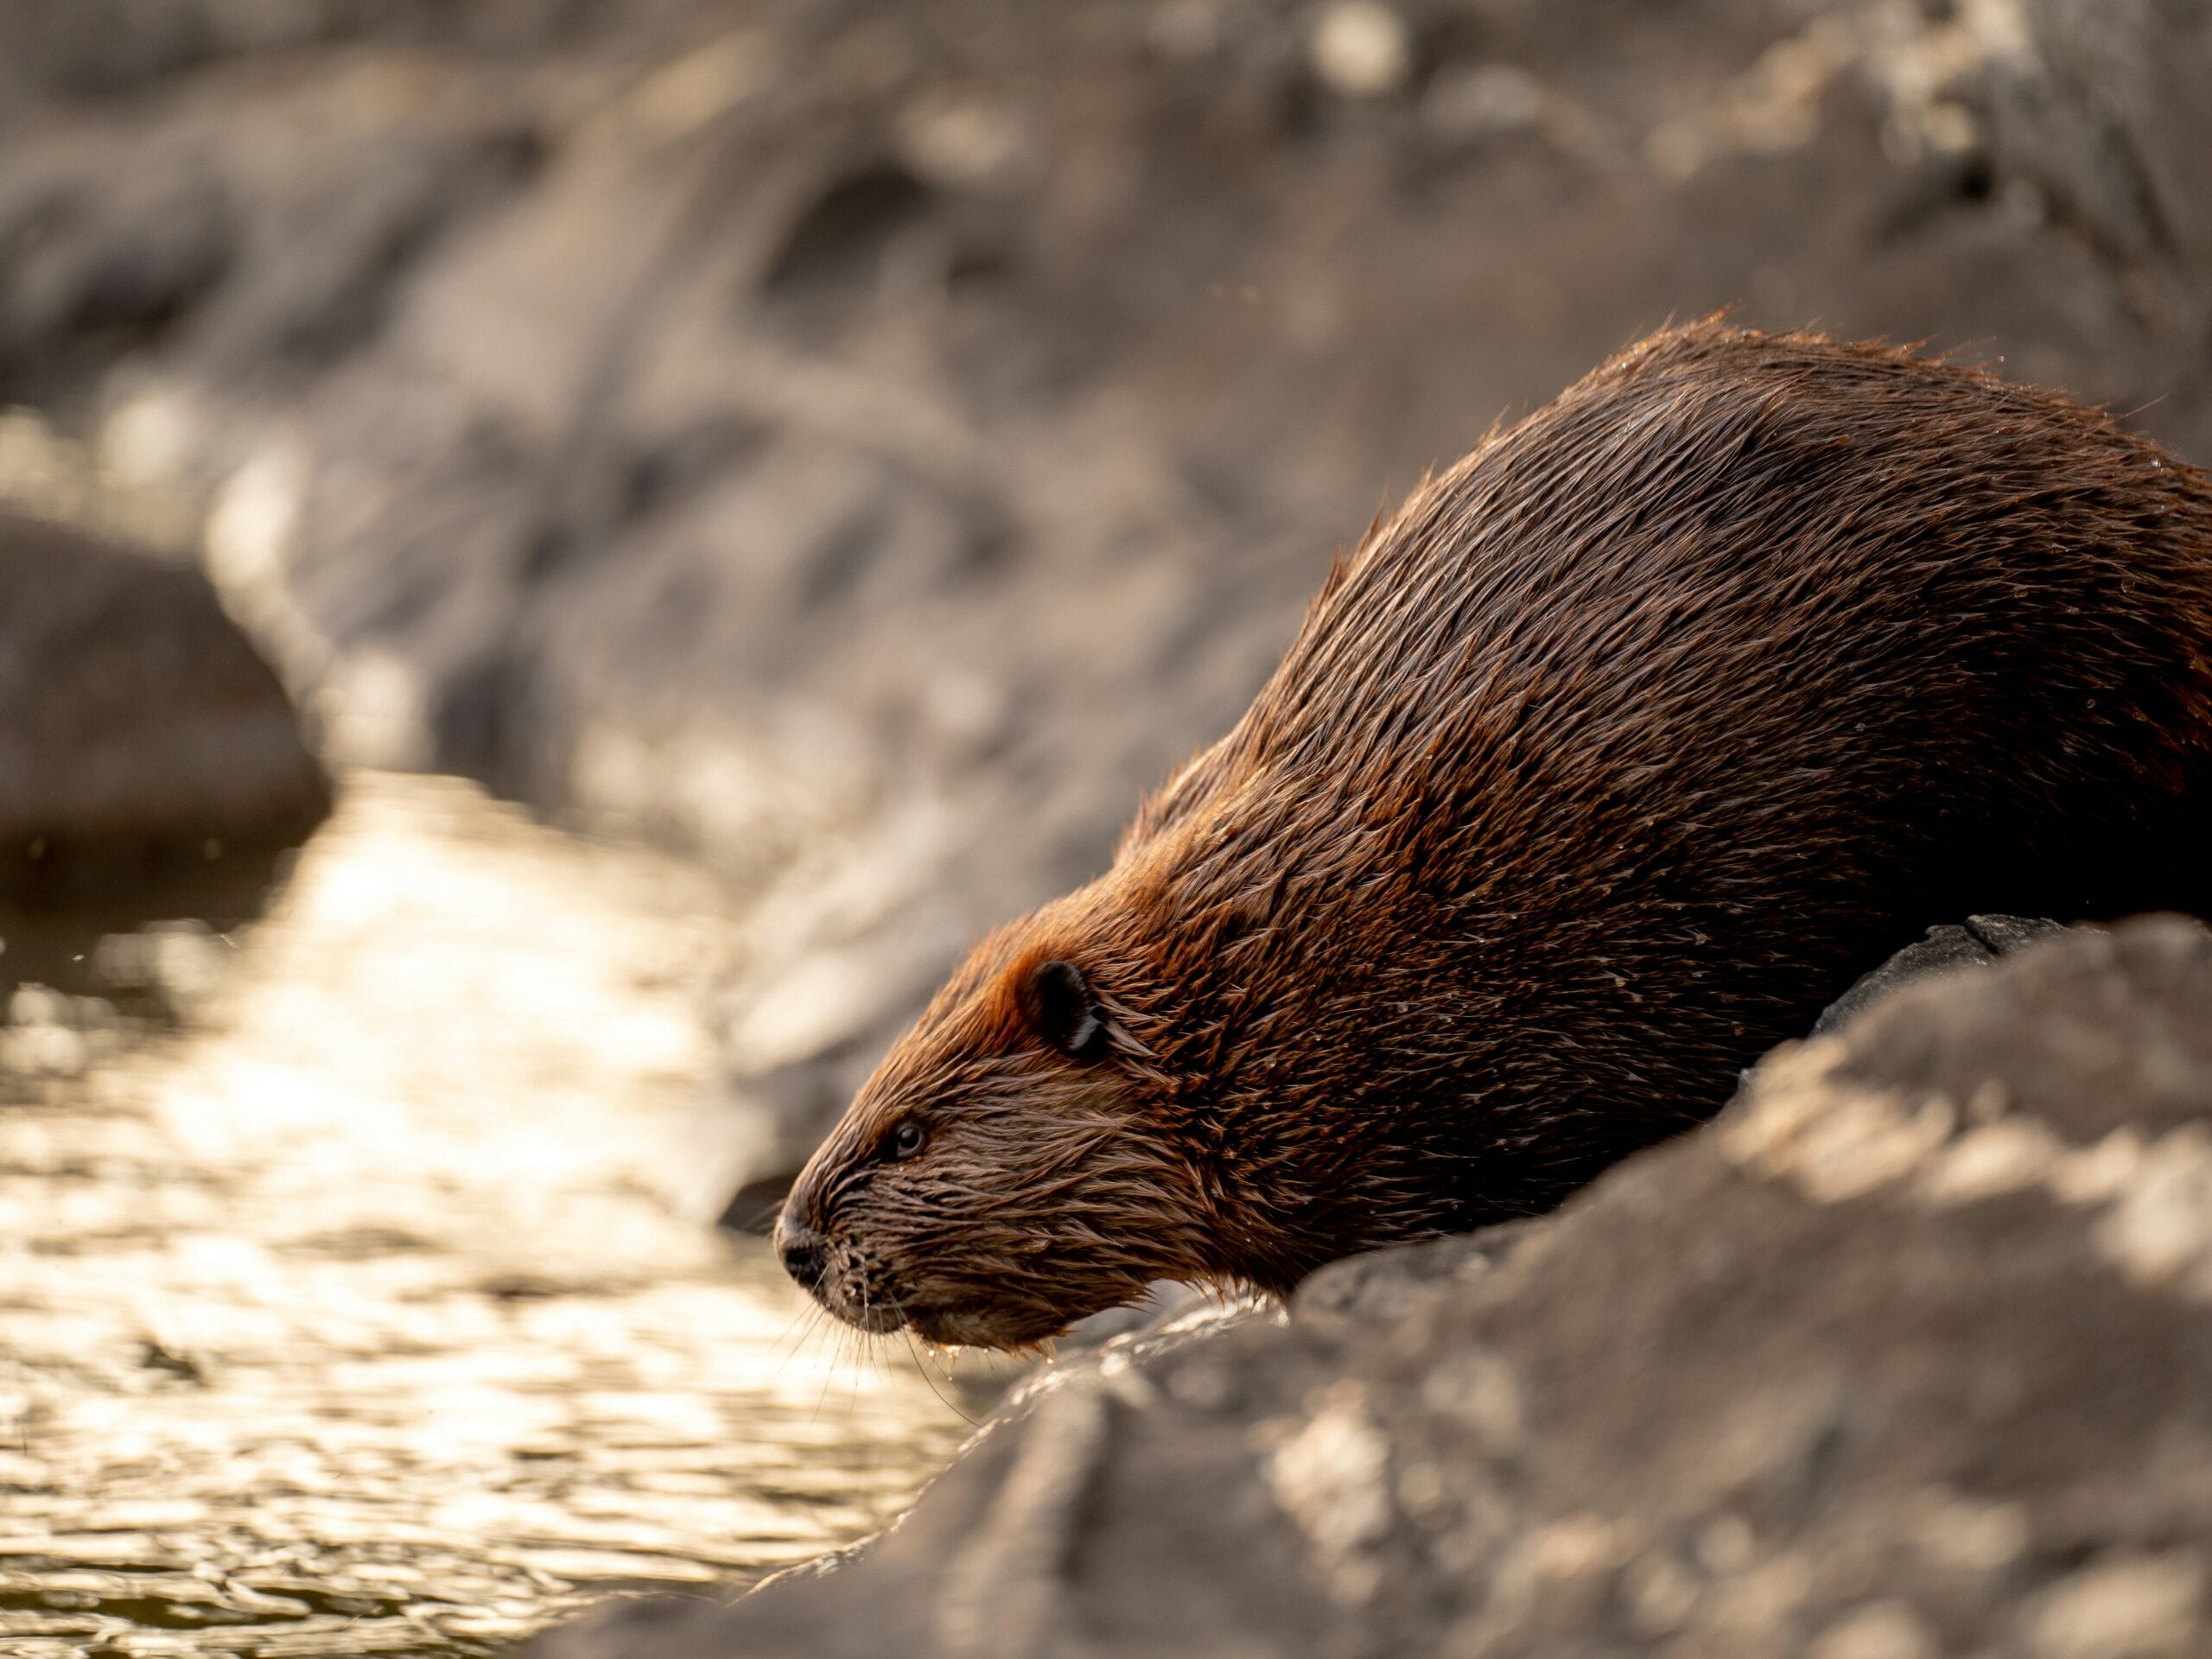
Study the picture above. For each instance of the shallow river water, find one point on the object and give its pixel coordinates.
(347, 1319)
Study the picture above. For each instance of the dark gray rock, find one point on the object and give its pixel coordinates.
(1905, 1355)
(1954, 946)
(144, 744)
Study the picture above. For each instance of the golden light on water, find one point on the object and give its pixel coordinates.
(350, 1319)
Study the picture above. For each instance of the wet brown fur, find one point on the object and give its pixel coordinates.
(1595, 770)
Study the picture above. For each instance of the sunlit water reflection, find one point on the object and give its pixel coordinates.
(348, 1321)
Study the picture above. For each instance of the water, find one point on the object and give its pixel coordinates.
(348, 1319)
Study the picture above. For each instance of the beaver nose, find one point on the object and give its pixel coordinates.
(804, 1252)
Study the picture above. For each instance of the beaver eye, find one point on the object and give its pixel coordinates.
(1057, 1002)
(906, 1141)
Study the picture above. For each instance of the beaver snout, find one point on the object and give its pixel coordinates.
(838, 1273)
(804, 1252)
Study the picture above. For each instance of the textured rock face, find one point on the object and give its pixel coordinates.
(142, 739)
(1905, 1355)
(868, 445)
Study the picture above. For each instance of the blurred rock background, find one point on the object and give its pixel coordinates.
(862, 446)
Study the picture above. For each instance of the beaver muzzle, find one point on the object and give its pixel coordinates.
(804, 1252)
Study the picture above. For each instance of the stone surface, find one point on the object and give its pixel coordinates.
(144, 743)
(1902, 1355)
(1974, 943)
(867, 445)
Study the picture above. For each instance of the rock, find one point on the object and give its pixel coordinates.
(2087, 111)
(1903, 1355)
(1956, 945)
(144, 744)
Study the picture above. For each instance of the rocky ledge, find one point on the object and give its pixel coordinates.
(1905, 1355)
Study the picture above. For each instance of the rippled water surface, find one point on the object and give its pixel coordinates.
(348, 1321)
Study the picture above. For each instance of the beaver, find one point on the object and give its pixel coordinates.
(1595, 770)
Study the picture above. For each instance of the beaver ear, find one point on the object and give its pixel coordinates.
(1056, 999)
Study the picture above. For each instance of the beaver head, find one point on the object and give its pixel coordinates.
(1172, 1073)
(1013, 1164)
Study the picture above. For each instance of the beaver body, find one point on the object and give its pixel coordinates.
(1595, 771)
